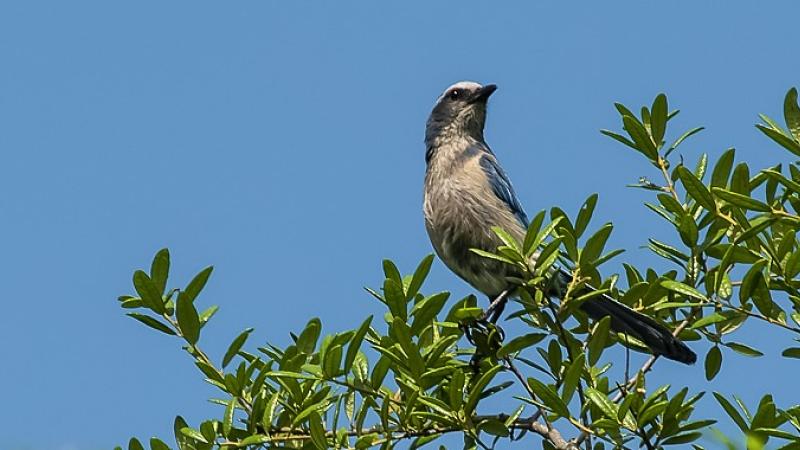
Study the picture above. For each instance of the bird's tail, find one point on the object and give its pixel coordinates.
(625, 320)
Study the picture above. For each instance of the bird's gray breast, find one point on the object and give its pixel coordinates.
(460, 210)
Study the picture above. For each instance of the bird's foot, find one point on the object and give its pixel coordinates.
(486, 336)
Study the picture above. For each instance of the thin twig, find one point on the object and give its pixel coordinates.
(200, 355)
(760, 317)
(563, 333)
(662, 164)
(550, 433)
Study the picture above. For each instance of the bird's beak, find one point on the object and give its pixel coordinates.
(483, 93)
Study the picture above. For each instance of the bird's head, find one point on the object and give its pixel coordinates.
(459, 112)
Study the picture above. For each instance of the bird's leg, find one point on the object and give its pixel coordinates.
(496, 307)
(487, 327)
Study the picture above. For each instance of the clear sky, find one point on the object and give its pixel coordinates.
(283, 144)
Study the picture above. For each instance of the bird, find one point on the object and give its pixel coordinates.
(467, 192)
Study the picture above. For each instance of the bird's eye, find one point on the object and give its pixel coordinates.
(455, 94)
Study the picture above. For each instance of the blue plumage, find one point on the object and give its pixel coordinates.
(501, 186)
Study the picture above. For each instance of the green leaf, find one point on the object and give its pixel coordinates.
(477, 389)
(791, 112)
(132, 303)
(159, 270)
(403, 335)
(317, 431)
(791, 352)
(670, 204)
(227, 418)
(158, 444)
(713, 362)
(696, 189)
(494, 427)
(731, 411)
(790, 184)
(455, 390)
(658, 118)
(772, 124)
(197, 284)
(607, 257)
(307, 341)
(254, 439)
(425, 311)
(623, 111)
(395, 298)
(307, 412)
(548, 254)
(420, 274)
(269, 411)
(741, 200)
(784, 141)
(606, 406)
(355, 344)
(638, 133)
(651, 412)
(598, 339)
(148, 292)
(520, 343)
(194, 434)
(751, 280)
(722, 170)
(595, 244)
(134, 444)
(740, 181)
(491, 255)
(467, 313)
(235, 346)
(683, 438)
(379, 372)
(758, 225)
(209, 371)
(152, 323)
(188, 320)
(661, 249)
(683, 289)
(507, 239)
(743, 349)
(365, 441)
(530, 241)
(572, 377)
(619, 138)
(688, 230)
(391, 272)
(333, 356)
(708, 320)
(683, 137)
(700, 170)
(180, 438)
(793, 264)
(206, 315)
(585, 215)
(549, 397)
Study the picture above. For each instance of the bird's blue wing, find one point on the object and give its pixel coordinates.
(502, 186)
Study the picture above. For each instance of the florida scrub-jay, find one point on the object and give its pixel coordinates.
(467, 192)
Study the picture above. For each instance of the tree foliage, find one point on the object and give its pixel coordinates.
(406, 377)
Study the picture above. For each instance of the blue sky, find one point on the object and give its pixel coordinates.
(283, 144)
